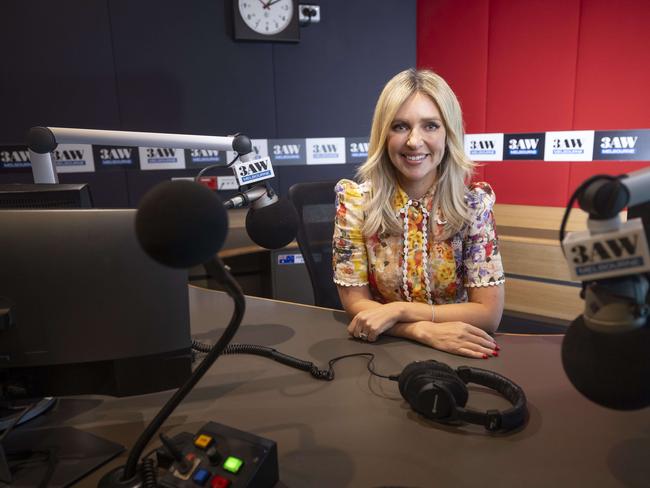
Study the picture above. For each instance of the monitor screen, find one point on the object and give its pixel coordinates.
(25, 196)
(85, 309)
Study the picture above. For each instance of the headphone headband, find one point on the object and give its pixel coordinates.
(438, 392)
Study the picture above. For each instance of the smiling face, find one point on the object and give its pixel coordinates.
(416, 144)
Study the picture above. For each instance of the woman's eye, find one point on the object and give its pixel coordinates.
(399, 127)
(432, 126)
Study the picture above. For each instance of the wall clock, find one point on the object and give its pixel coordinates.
(266, 20)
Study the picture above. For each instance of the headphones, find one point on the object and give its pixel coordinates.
(439, 393)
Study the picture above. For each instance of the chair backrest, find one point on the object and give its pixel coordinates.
(315, 204)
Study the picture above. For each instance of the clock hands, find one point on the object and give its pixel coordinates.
(271, 2)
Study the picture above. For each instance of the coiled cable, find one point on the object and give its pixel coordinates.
(269, 352)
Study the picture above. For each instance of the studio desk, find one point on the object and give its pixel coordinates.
(357, 431)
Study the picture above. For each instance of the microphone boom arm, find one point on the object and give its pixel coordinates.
(41, 141)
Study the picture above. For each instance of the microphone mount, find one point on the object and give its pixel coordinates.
(257, 197)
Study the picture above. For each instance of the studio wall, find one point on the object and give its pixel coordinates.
(172, 66)
(541, 65)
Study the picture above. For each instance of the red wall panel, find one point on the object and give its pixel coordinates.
(531, 65)
(479, 173)
(613, 77)
(529, 182)
(452, 41)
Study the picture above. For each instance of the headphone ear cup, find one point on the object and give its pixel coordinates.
(433, 389)
(413, 369)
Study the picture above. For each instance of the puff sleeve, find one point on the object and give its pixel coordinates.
(481, 256)
(349, 258)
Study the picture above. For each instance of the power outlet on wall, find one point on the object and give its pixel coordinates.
(308, 14)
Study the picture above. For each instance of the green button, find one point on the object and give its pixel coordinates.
(232, 464)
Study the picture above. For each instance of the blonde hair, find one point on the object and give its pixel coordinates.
(452, 173)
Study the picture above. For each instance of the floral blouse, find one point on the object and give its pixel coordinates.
(413, 266)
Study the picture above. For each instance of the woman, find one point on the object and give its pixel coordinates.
(415, 249)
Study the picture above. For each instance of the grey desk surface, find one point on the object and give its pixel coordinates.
(357, 431)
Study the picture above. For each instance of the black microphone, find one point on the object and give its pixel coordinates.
(273, 226)
(181, 224)
(611, 369)
(271, 222)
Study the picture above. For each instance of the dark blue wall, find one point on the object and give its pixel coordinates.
(173, 66)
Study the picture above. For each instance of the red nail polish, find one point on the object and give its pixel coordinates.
(496, 347)
(495, 353)
(485, 356)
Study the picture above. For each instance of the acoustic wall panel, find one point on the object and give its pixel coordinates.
(613, 78)
(532, 64)
(179, 70)
(57, 67)
(529, 182)
(329, 83)
(452, 41)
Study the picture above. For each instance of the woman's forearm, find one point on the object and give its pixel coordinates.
(483, 316)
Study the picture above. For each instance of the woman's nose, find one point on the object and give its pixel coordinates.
(414, 140)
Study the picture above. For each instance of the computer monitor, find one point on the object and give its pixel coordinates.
(92, 313)
(26, 196)
(83, 310)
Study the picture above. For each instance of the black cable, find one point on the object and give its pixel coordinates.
(213, 166)
(268, 352)
(369, 365)
(576, 194)
(149, 479)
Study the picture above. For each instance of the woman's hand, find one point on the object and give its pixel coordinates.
(458, 338)
(371, 323)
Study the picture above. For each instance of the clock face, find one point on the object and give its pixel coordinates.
(266, 17)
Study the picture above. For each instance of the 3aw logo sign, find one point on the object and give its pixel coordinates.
(524, 146)
(594, 257)
(253, 171)
(286, 152)
(329, 150)
(74, 158)
(116, 156)
(161, 158)
(622, 145)
(484, 147)
(203, 157)
(14, 157)
(357, 149)
(569, 145)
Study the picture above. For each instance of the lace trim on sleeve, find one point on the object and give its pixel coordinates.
(342, 283)
(491, 283)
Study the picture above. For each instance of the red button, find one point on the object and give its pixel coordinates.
(219, 482)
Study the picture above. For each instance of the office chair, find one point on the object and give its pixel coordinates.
(316, 209)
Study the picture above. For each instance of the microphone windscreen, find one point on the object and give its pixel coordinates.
(273, 226)
(181, 224)
(611, 369)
